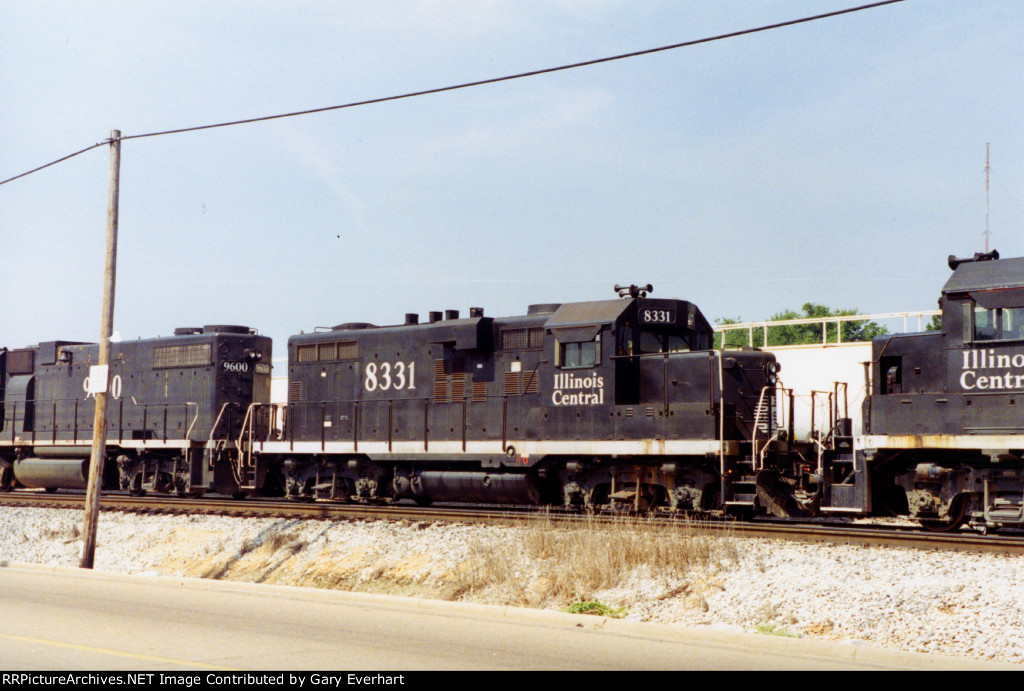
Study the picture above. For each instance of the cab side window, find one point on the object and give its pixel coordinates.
(985, 328)
(1013, 323)
(579, 355)
(998, 324)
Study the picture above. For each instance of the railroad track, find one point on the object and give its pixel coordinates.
(825, 532)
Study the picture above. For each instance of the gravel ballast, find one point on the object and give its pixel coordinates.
(948, 603)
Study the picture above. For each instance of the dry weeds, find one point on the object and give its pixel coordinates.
(565, 562)
(541, 564)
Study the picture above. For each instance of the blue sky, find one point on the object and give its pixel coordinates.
(838, 161)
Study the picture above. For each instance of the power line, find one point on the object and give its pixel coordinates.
(53, 163)
(482, 82)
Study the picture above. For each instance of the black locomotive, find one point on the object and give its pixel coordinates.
(617, 402)
(943, 431)
(609, 405)
(176, 405)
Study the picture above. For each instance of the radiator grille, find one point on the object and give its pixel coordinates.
(531, 338)
(192, 355)
(323, 352)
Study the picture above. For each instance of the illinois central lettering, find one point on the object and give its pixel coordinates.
(978, 365)
(571, 389)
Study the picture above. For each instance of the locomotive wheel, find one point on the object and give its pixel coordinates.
(956, 518)
(342, 490)
(709, 500)
(136, 487)
(6, 479)
(643, 504)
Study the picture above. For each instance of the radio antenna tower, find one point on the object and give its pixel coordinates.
(987, 171)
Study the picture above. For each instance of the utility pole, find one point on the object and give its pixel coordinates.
(99, 375)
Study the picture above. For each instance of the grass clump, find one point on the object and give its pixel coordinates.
(596, 608)
(772, 629)
(560, 562)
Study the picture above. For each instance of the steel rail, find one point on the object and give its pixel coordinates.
(831, 532)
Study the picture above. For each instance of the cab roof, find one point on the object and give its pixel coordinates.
(974, 276)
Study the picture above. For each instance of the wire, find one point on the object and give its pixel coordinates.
(482, 82)
(53, 163)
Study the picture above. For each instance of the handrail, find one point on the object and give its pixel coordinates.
(61, 405)
(243, 452)
(195, 418)
(721, 426)
(763, 410)
(216, 423)
(764, 325)
(246, 436)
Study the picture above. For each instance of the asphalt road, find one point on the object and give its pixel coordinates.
(69, 619)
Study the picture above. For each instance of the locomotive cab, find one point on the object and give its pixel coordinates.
(612, 337)
(964, 379)
(943, 421)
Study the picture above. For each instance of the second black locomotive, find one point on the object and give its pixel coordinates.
(616, 402)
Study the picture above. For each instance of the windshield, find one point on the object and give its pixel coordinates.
(654, 342)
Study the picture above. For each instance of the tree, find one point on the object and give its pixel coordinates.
(798, 334)
(794, 334)
(736, 338)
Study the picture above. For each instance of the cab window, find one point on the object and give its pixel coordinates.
(1012, 322)
(578, 355)
(985, 324)
(998, 324)
(654, 342)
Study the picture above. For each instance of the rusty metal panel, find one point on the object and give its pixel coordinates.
(21, 361)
